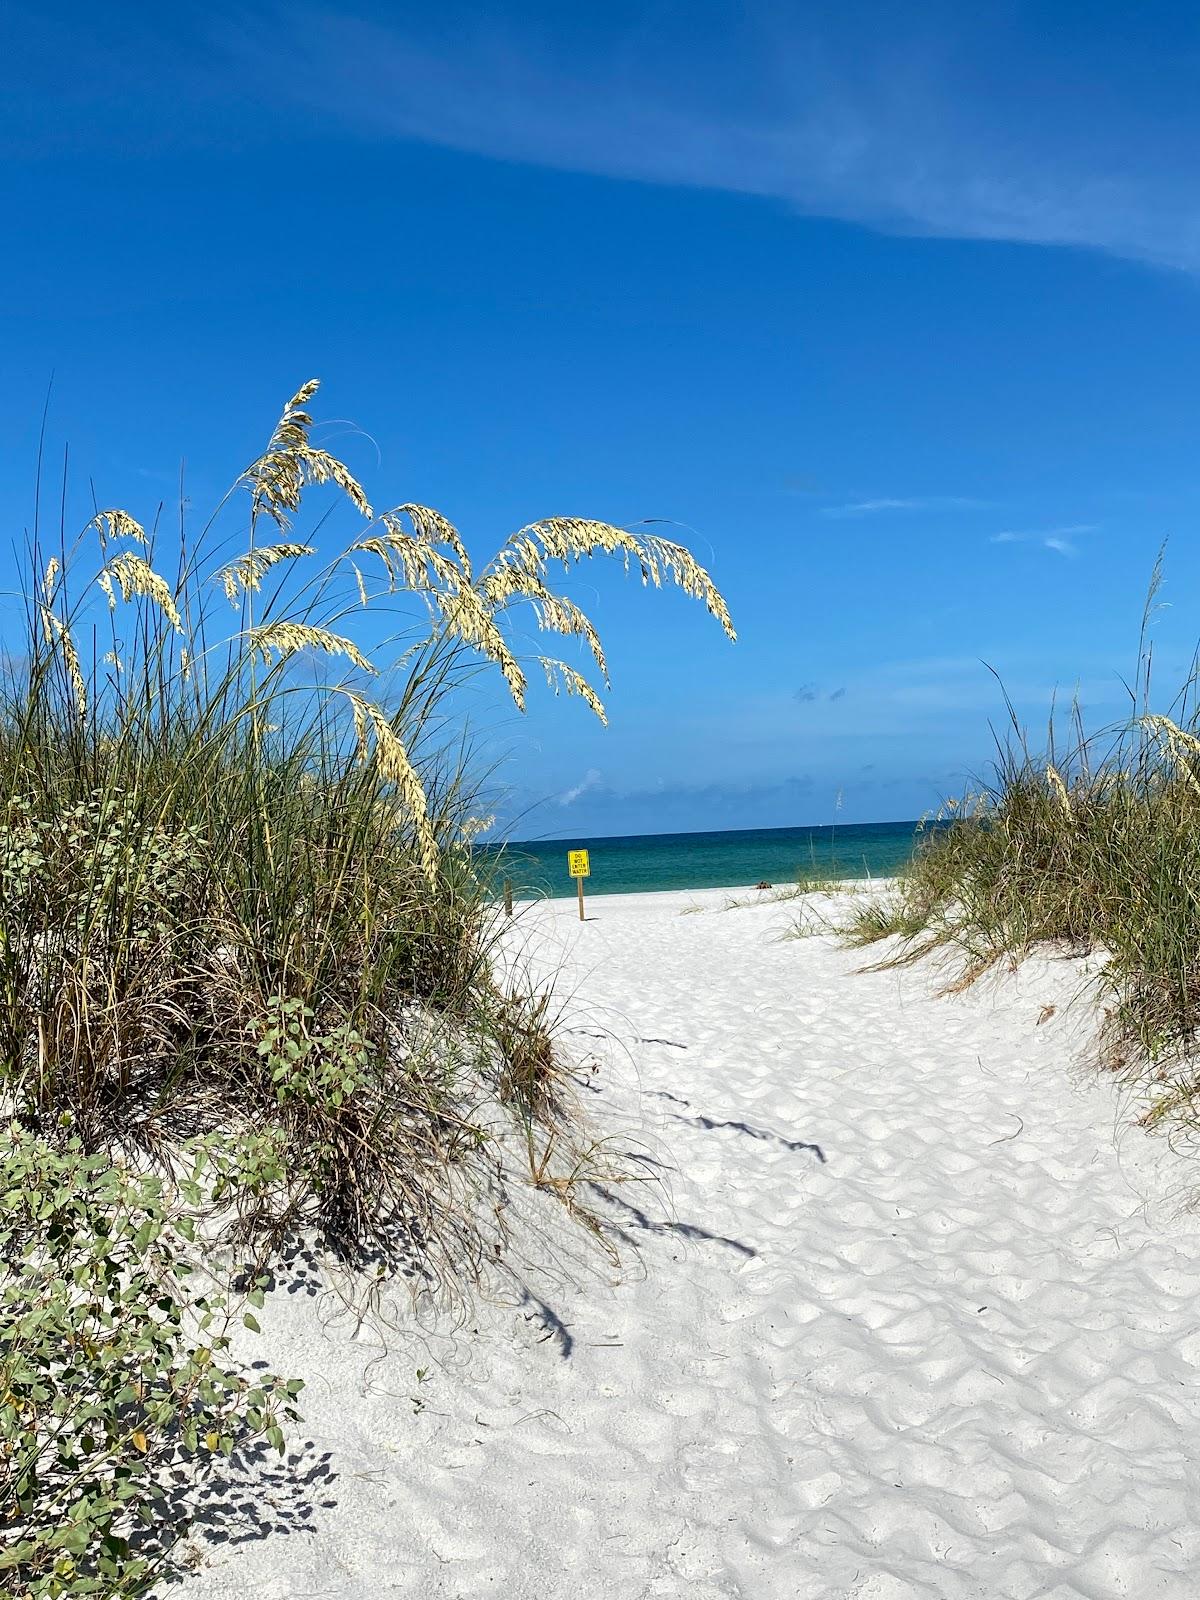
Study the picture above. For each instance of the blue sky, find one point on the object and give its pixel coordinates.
(895, 311)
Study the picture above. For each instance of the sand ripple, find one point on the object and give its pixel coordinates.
(922, 1318)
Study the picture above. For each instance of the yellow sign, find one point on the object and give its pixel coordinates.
(578, 864)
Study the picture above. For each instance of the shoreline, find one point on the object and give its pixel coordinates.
(777, 894)
(732, 859)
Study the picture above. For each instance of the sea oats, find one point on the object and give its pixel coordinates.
(118, 524)
(135, 576)
(1054, 779)
(678, 563)
(1184, 748)
(394, 765)
(569, 539)
(287, 638)
(470, 610)
(277, 479)
(215, 858)
(474, 826)
(397, 550)
(561, 677)
(1171, 733)
(431, 527)
(247, 572)
(467, 615)
(411, 562)
(58, 636)
(572, 539)
(513, 580)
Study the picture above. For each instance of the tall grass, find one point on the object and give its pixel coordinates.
(246, 940)
(1093, 845)
(238, 884)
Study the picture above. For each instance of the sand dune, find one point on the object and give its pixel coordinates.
(921, 1316)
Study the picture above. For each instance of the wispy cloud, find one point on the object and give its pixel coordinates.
(592, 779)
(1060, 540)
(905, 120)
(928, 502)
(810, 692)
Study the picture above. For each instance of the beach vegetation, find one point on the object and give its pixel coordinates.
(241, 899)
(1090, 845)
(115, 1369)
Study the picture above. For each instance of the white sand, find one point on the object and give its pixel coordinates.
(923, 1317)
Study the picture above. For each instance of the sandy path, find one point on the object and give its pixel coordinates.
(923, 1318)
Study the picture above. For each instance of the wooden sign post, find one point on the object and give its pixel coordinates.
(580, 868)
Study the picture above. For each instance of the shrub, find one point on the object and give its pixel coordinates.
(113, 1372)
(239, 901)
(235, 841)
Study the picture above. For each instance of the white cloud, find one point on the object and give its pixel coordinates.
(1060, 540)
(930, 502)
(591, 780)
(938, 120)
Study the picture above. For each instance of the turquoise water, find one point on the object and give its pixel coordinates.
(728, 860)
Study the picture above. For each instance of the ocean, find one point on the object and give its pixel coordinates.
(729, 860)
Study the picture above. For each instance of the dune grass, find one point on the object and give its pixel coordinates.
(236, 856)
(1093, 846)
(239, 899)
